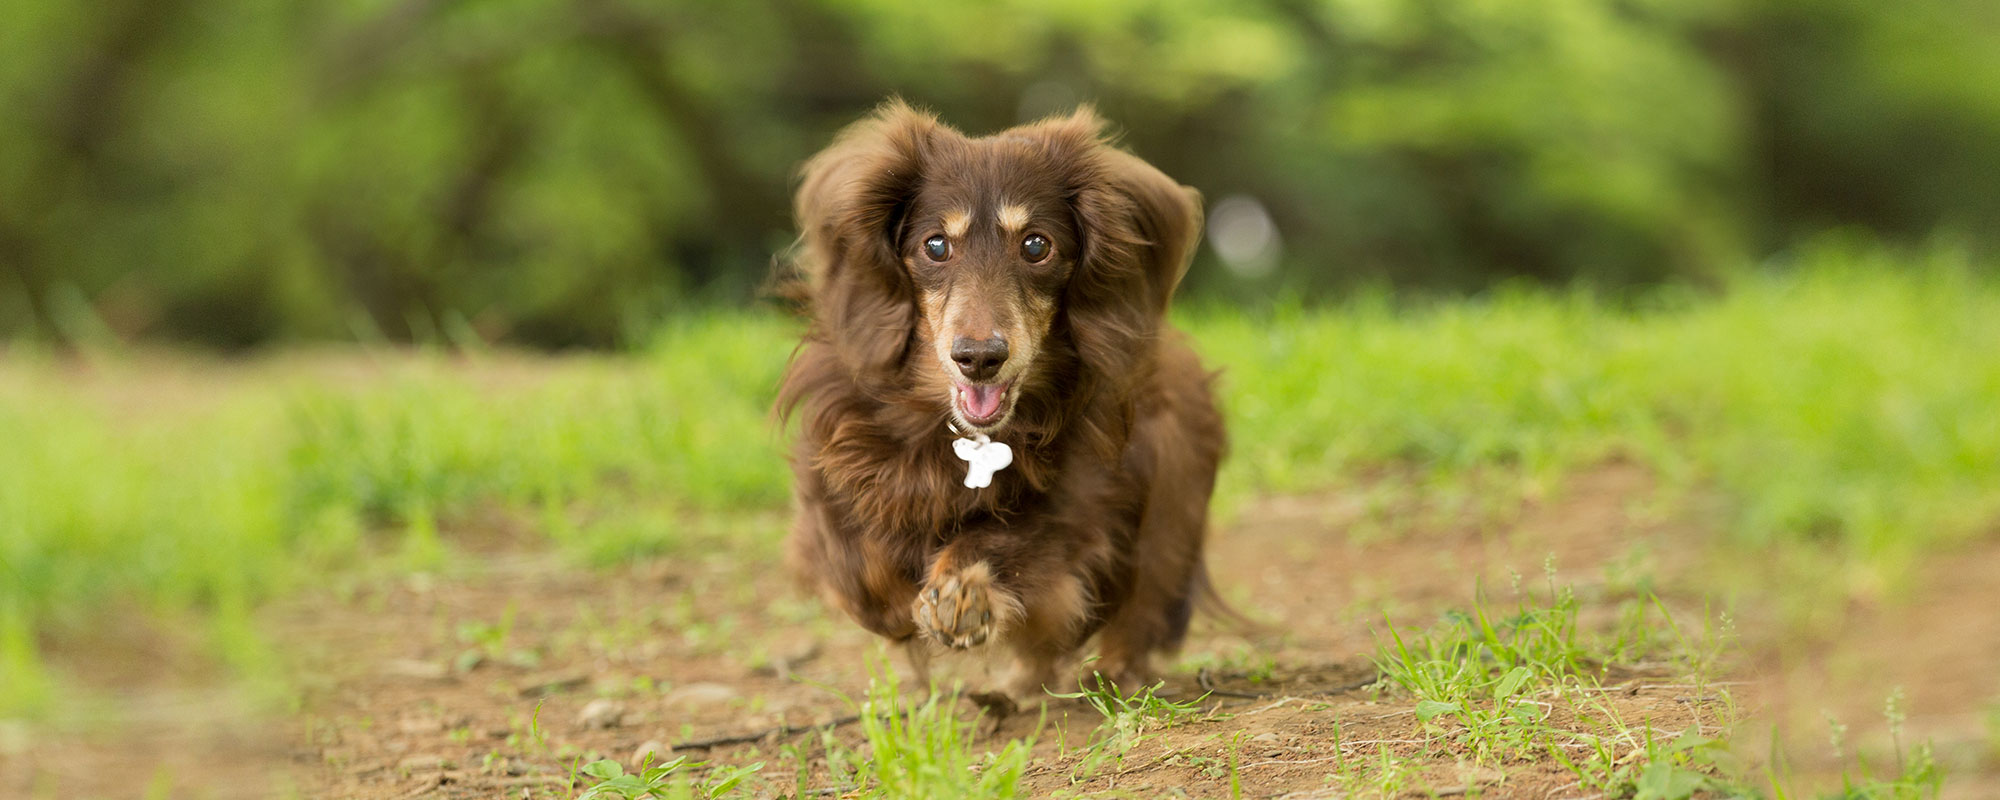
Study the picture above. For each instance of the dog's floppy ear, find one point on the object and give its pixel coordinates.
(1139, 228)
(850, 209)
(1167, 216)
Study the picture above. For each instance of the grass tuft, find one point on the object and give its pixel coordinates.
(926, 749)
(1127, 720)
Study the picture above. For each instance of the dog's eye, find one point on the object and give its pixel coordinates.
(1035, 248)
(937, 248)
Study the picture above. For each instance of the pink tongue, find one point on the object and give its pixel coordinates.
(982, 401)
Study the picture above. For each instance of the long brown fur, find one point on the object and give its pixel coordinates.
(1097, 528)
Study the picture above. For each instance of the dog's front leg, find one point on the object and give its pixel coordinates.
(962, 603)
(1017, 586)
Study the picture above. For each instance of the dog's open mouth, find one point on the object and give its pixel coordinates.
(981, 404)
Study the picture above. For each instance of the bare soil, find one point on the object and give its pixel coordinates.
(499, 675)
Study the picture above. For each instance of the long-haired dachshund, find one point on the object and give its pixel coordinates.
(1002, 438)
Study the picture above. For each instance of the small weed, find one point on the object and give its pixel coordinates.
(1385, 775)
(1673, 769)
(1917, 774)
(1235, 777)
(667, 780)
(1127, 719)
(489, 641)
(1481, 672)
(1211, 767)
(921, 750)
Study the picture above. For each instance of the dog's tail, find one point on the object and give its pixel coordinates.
(1209, 602)
(1202, 596)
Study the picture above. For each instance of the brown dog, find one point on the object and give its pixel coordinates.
(1013, 286)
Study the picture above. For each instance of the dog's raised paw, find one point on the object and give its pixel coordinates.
(956, 609)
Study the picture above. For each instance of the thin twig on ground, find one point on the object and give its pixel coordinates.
(1336, 756)
(778, 731)
(1204, 678)
(1201, 679)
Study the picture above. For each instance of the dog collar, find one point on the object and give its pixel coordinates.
(982, 457)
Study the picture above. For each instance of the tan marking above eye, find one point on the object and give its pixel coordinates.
(1013, 217)
(956, 223)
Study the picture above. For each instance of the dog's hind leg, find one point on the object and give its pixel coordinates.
(1176, 451)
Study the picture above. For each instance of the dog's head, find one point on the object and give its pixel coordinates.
(948, 262)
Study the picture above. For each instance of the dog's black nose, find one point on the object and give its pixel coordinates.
(979, 359)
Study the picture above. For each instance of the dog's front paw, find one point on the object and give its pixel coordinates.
(957, 608)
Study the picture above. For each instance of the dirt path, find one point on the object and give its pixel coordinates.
(693, 649)
(498, 678)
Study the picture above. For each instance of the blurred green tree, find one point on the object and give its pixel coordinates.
(566, 172)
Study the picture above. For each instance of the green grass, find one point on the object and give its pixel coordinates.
(1488, 682)
(914, 748)
(1128, 717)
(1842, 405)
(173, 486)
(668, 780)
(914, 745)
(1847, 400)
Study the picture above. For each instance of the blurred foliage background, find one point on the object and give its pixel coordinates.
(569, 172)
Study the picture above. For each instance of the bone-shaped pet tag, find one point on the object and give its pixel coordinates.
(983, 457)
